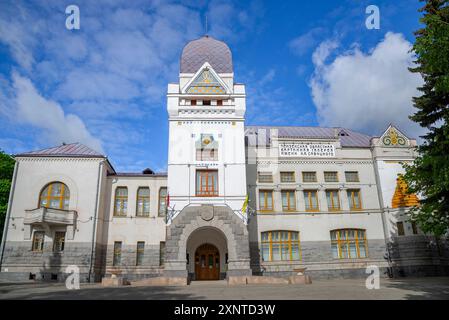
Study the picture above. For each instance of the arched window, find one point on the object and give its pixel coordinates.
(162, 202)
(349, 244)
(121, 201)
(143, 202)
(280, 245)
(55, 195)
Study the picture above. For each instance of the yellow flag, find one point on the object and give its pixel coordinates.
(245, 204)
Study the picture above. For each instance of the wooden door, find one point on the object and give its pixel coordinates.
(207, 262)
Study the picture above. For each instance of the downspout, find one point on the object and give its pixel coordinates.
(94, 230)
(382, 210)
(8, 213)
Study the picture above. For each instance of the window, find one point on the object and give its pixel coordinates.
(162, 202)
(265, 200)
(287, 177)
(333, 200)
(349, 244)
(354, 199)
(121, 201)
(140, 252)
(280, 245)
(288, 200)
(143, 202)
(309, 176)
(207, 183)
(59, 241)
(352, 176)
(265, 177)
(206, 102)
(206, 154)
(38, 241)
(117, 253)
(161, 253)
(55, 195)
(330, 176)
(219, 102)
(414, 227)
(400, 226)
(311, 200)
(193, 102)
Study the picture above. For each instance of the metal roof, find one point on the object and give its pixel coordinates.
(206, 49)
(64, 150)
(347, 137)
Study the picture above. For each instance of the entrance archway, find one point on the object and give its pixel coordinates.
(207, 262)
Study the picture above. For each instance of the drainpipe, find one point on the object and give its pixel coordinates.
(382, 210)
(94, 230)
(8, 212)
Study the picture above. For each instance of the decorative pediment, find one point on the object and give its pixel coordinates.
(392, 137)
(206, 141)
(207, 82)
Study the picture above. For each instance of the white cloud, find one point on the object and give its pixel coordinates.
(303, 43)
(33, 109)
(366, 92)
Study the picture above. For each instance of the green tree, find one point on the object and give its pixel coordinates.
(6, 173)
(429, 174)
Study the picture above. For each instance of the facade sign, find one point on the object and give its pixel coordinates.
(308, 150)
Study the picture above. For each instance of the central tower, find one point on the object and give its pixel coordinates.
(207, 235)
(206, 159)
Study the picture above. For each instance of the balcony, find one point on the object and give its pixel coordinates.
(50, 217)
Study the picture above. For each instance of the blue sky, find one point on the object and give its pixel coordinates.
(303, 63)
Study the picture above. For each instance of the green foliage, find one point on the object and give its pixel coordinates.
(429, 174)
(6, 173)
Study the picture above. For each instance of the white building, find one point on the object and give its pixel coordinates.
(328, 199)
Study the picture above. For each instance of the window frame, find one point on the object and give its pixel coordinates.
(59, 244)
(331, 172)
(140, 253)
(213, 154)
(161, 253)
(309, 199)
(264, 208)
(159, 203)
(289, 207)
(206, 193)
(123, 200)
(117, 254)
(350, 193)
(34, 241)
(62, 198)
(351, 172)
(309, 172)
(280, 242)
(347, 242)
(266, 174)
(333, 208)
(401, 230)
(143, 198)
(291, 173)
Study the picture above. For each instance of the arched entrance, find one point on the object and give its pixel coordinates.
(207, 262)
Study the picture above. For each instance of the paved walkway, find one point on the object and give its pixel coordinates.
(405, 288)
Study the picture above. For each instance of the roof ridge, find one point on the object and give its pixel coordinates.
(75, 149)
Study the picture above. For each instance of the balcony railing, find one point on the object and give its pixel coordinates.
(50, 216)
